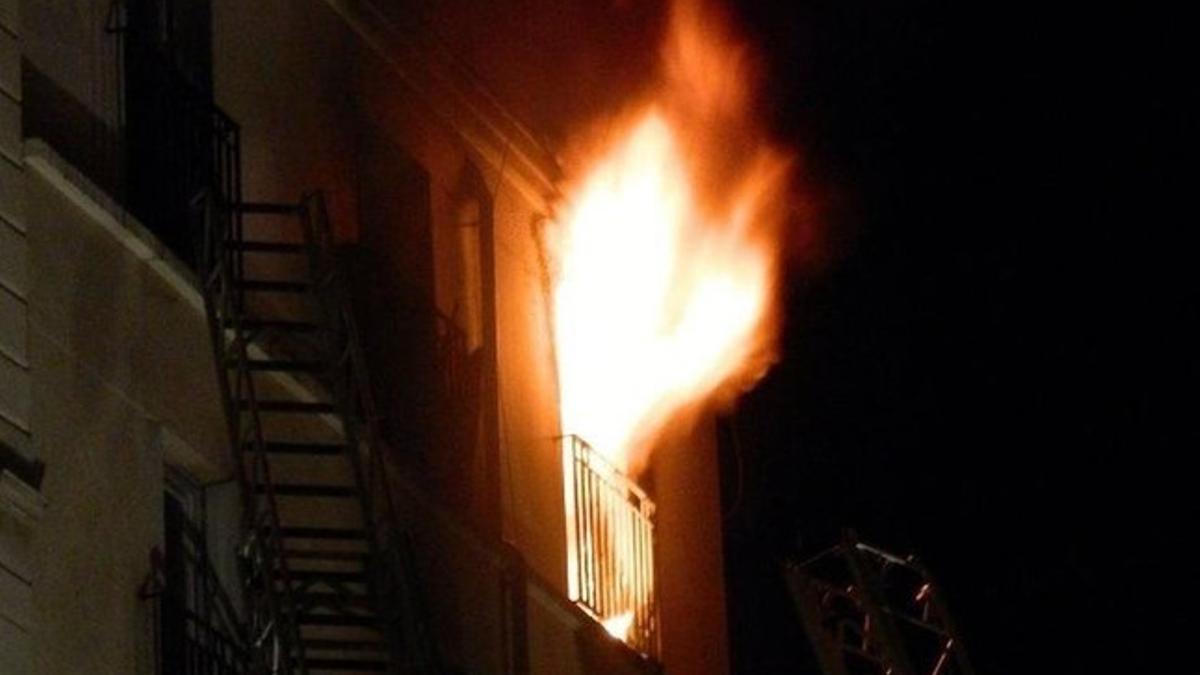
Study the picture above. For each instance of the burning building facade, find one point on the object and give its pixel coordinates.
(540, 348)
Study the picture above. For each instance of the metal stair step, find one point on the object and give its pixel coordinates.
(285, 247)
(310, 619)
(281, 365)
(344, 645)
(328, 599)
(346, 665)
(328, 576)
(289, 406)
(352, 556)
(273, 286)
(296, 448)
(308, 490)
(268, 208)
(338, 533)
(285, 325)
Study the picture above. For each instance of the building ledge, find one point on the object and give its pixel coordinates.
(46, 163)
(20, 500)
(28, 470)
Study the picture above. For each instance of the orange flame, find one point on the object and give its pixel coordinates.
(667, 252)
(618, 625)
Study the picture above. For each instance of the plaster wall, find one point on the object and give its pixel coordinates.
(20, 503)
(526, 409)
(123, 384)
(281, 70)
(67, 41)
(688, 530)
(21, 508)
(14, 247)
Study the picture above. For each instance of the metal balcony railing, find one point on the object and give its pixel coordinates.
(206, 650)
(198, 631)
(178, 144)
(610, 523)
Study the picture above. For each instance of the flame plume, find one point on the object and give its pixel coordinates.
(667, 252)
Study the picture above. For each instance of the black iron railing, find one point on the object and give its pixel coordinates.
(177, 144)
(610, 523)
(205, 650)
(399, 598)
(198, 630)
(270, 610)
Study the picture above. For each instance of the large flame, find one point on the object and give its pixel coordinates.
(667, 254)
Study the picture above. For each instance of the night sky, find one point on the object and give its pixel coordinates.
(980, 370)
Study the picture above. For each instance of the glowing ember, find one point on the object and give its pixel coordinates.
(666, 256)
(618, 626)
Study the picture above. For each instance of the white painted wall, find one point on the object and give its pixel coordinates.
(118, 346)
(20, 505)
(21, 509)
(14, 363)
(66, 40)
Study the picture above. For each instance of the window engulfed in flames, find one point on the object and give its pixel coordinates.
(666, 253)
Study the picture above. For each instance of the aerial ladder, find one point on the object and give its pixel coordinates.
(870, 612)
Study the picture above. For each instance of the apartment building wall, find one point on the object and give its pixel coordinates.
(122, 369)
(690, 583)
(483, 197)
(124, 386)
(349, 90)
(282, 70)
(14, 266)
(103, 369)
(563, 68)
(525, 416)
(21, 504)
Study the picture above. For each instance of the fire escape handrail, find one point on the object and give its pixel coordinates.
(213, 637)
(349, 377)
(221, 270)
(220, 616)
(198, 191)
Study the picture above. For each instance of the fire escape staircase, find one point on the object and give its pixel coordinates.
(328, 573)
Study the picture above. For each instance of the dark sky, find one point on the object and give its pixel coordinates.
(983, 372)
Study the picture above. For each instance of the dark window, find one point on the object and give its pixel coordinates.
(168, 118)
(394, 288)
(174, 602)
(179, 31)
(198, 629)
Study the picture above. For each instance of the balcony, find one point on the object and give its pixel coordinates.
(610, 541)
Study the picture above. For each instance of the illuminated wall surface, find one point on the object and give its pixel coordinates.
(448, 197)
